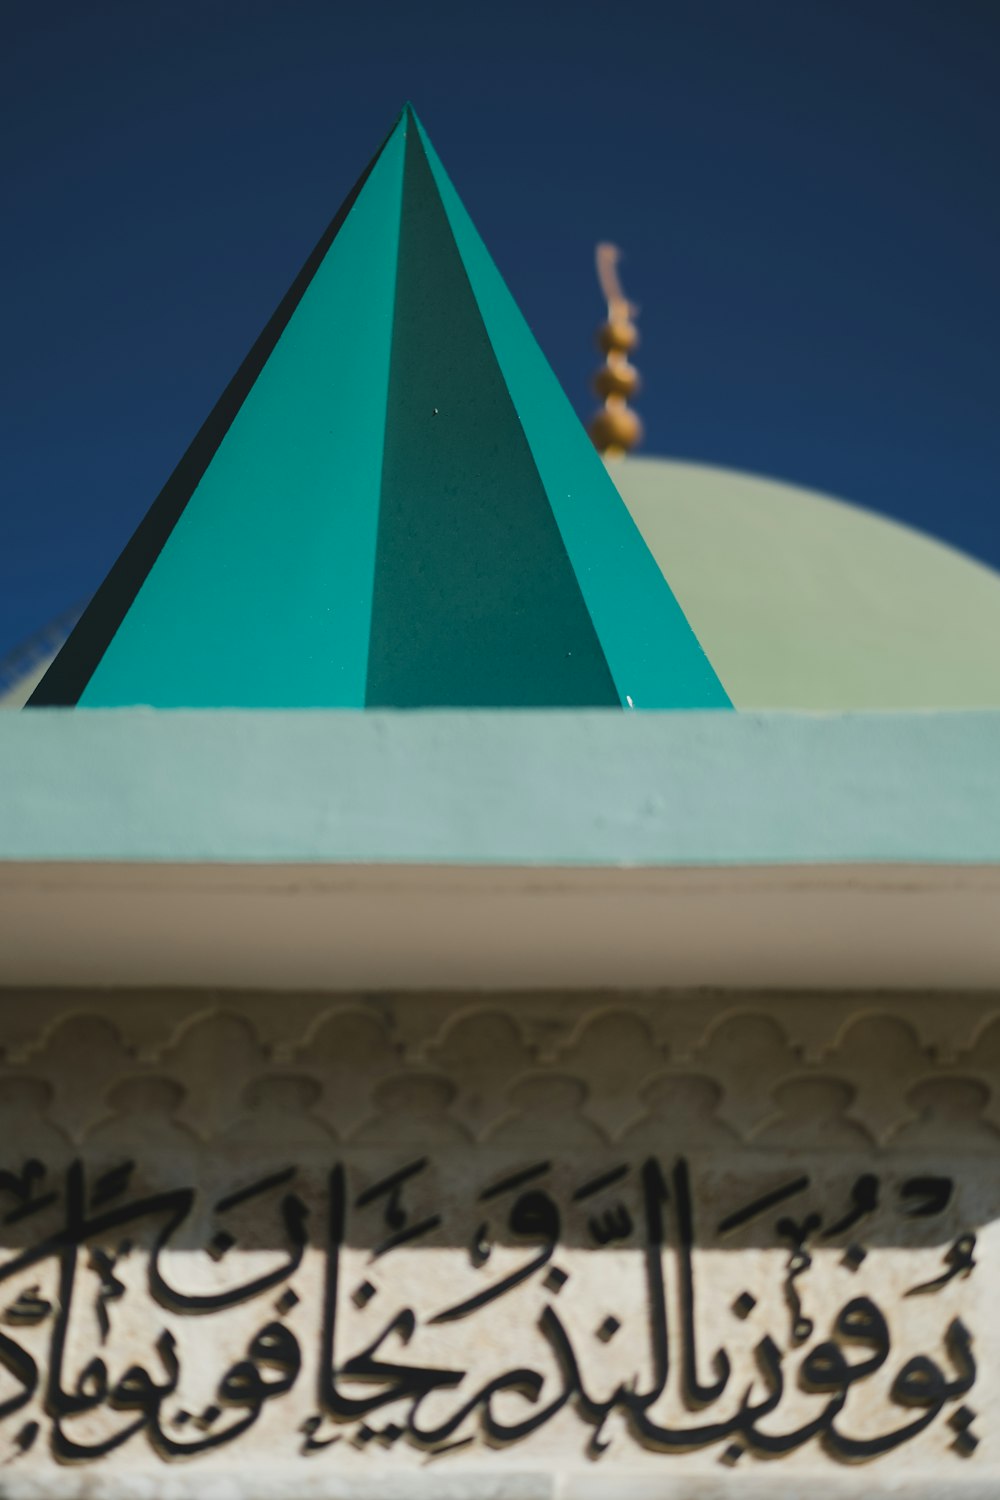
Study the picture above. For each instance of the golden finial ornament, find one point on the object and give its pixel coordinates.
(614, 428)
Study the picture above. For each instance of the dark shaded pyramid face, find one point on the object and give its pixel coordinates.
(392, 505)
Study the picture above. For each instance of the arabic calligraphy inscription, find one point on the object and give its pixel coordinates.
(378, 1307)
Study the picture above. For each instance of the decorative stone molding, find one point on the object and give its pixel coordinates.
(836, 1071)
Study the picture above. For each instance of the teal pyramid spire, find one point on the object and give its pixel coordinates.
(391, 505)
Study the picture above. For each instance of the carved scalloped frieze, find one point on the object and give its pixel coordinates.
(827, 1070)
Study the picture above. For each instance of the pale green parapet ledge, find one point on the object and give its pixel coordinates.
(500, 788)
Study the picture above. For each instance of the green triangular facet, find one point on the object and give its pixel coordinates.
(392, 505)
(261, 594)
(653, 654)
(476, 602)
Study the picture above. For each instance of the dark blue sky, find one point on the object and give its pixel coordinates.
(807, 192)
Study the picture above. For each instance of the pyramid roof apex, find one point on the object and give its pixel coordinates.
(392, 505)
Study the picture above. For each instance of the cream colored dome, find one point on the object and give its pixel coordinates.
(805, 602)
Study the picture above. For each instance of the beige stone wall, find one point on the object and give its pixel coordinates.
(652, 1244)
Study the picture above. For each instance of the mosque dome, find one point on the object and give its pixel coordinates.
(806, 602)
(22, 669)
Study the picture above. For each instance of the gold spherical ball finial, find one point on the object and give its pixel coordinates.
(616, 380)
(614, 429)
(617, 337)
